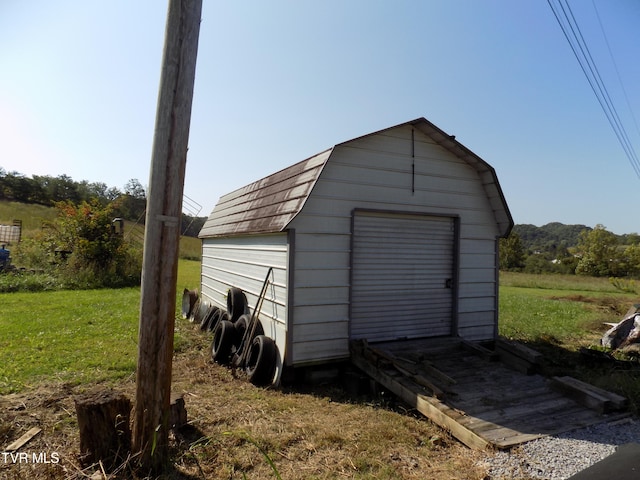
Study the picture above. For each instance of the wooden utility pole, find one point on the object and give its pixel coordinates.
(162, 234)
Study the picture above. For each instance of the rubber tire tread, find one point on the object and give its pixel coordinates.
(261, 361)
(236, 303)
(223, 341)
(207, 322)
(241, 327)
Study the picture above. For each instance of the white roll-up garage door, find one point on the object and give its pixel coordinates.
(402, 276)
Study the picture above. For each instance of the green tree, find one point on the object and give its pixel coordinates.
(598, 253)
(632, 260)
(511, 252)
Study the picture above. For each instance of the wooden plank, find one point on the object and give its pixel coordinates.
(518, 363)
(576, 417)
(420, 380)
(589, 395)
(618, 402)
(434, 372)
(438, 412)
(409, 369)
(519, 350)
(478, 349)
(518, 415)
(23, 440)
(510, 406)
(489, 404)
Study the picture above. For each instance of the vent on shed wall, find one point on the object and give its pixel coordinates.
(402, 271)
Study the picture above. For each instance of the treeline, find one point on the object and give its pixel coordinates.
(129, 203)
(555, 235)
(571, 249)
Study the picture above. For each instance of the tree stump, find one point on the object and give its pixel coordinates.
(177, 412)
(105, 432)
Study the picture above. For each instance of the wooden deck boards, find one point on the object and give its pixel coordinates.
(482, 402)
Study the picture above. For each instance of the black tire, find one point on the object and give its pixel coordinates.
(214, 320)
(242, 324)
(236, 303)
(261, 362)
(223, 340)
(207, 321)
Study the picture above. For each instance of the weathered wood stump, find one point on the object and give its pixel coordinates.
(105, 431)
(177, 412)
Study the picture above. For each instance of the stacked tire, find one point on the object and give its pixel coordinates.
(230, 331)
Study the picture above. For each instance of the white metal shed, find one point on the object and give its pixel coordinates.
(388, 236)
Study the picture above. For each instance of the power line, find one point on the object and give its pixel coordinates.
(615, 66)
(573, 35)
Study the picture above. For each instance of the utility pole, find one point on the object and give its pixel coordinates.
(162, 234)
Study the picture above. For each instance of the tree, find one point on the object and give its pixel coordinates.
(511, 252)
(16, 187)
(135, 189)
(598, 253)
(632, 260)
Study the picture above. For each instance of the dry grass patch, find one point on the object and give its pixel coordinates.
(316, 434)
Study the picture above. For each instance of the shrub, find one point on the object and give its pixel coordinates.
(82, 250)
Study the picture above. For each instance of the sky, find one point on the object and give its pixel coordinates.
(279, 81)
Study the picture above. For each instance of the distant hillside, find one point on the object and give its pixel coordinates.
(549, 237)
(555, 235)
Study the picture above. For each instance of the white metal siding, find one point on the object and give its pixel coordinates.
(243, 262)
(402, 276)
(375, 172)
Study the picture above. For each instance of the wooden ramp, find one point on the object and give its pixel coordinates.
(465, 389)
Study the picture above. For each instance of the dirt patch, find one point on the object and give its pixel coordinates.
(318, 433)
(609, 305)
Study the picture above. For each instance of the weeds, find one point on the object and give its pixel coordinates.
(246, 437)
(625, 285)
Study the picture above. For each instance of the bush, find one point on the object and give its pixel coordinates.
(82, 250)
(21, 281)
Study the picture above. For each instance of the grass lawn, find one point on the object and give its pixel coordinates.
(559, 308)
(560, 314)
(74, 336)
(81, 337)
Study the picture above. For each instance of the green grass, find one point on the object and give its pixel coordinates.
(565, 308)
(557, 282)
(528, 314)
(190, 248)
(81, 336)
(560, 315)
(74, 336)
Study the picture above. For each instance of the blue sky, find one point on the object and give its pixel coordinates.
(279, 81)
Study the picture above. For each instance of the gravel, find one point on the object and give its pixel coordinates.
(561, 456)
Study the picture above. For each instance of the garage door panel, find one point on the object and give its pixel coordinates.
(401, 267)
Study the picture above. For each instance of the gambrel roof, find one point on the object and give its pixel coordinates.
(271, 203)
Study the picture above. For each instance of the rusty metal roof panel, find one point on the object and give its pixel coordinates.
(267, 205)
